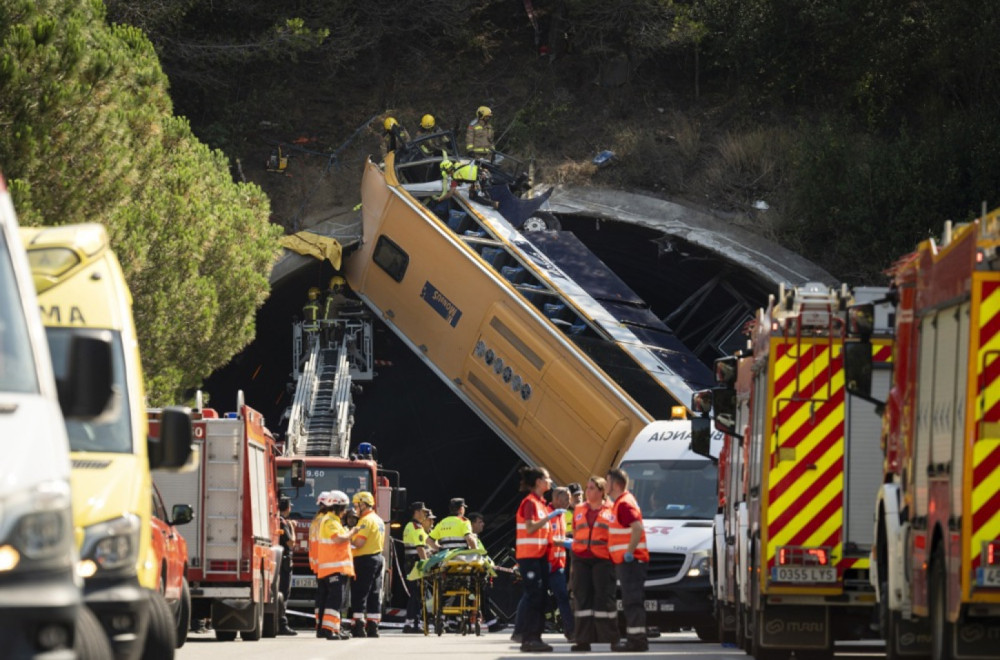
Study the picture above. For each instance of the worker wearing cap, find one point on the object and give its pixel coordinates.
(366, 591)
(333, 564)
(455, 531)
(479, 134)
(429, 520)
(414, 549)
(286, 540)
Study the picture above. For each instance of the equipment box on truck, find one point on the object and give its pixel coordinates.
(82, 294)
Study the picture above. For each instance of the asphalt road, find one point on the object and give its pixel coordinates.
(491, 646)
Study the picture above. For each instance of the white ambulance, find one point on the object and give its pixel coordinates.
(677, 492)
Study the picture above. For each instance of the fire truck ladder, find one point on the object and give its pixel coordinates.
(222, 516)
(322, 411)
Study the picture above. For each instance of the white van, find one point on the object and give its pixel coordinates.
(40, 597)
(677, 492)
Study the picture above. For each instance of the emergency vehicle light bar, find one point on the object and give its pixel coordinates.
(790, 555)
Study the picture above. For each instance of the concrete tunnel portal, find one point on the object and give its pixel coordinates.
(704, 277)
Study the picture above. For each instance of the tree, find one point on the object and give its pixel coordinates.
(91, 137)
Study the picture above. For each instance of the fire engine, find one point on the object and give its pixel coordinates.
(936, 558)
(329, 359)
(233, 547)
(797, 480)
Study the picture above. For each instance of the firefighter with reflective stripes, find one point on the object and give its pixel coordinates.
(479, 134)
(333, 564)
(414, 549)
(366, 591)
(455, 531)
(532, 549)
(310, 314)
(627, 546)
(559, 541)
(593, 576)
(314, 526)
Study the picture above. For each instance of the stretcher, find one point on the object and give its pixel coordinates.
(451, 584)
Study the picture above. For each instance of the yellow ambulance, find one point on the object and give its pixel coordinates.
(82, 293)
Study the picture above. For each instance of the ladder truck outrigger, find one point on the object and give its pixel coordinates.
(329, 359)
(936, 558)
(796, 480)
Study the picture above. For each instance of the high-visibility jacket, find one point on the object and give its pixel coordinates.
(568, 516)
(310, 313)
(557, 551)
(414, 537)
(536, 544)
(450, 532)
(619, 535)
(596, 538)
(333, 557)
(465, 173)
(372, 532)
(479, 138)
(314, 540)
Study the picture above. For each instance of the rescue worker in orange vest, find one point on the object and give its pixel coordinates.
(627, 546)
(557, 560)
(532, 549)
(593, 577)
(479, 134)
(333, 564)
(314, 528)
(366, 592)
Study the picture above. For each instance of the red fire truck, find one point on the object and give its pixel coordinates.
(233, 541)
(797, 482)
(936, 559)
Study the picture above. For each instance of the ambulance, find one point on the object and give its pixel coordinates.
(676, 491)
(82, 294)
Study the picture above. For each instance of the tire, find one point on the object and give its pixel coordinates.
(225, 635)
(272, 621)
(89, 640)
(161, 630)
(183, 614)
(942, 631)
(253, 635)
(541, 221)
(708, 633)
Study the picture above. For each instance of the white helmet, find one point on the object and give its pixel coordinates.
(325, 499)
(338, 497)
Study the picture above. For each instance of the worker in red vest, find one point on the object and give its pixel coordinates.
(532, 549)
(627, 546)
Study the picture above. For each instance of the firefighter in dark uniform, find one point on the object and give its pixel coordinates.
(287, 542)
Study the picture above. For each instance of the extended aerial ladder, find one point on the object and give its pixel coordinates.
(325, 364)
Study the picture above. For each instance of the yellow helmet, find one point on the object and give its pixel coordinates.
(484, 112)
(427, 122)
(363, 496)
(313, 293)
(389, 123)
(337, 281)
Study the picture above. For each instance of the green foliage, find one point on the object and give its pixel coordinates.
(91, 138)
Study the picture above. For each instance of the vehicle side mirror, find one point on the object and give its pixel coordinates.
(398, 498)
(181, 514)
(858, 368)
(172, 449)
(86, 389)
(701, 402)
(724, 403)
(725, 370)
(701, 436)
(298, 473)
(861, 321)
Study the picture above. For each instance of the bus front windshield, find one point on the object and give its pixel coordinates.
(684, 489)
(111, 432)
(351, 480)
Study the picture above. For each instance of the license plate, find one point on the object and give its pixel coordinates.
(988, 576)
(651, 605)
(804, 574)
(303, 582)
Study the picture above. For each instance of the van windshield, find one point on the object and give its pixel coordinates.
(674, 489)
(111, 431)
(319, 478)
(17, 364)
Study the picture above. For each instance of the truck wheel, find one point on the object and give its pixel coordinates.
(541, 221)
(225, 635)
(708, 633)
(183, 614)
(253, 635)
(272, 619)
(941, 629)
(89, 641)
(161, 631)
